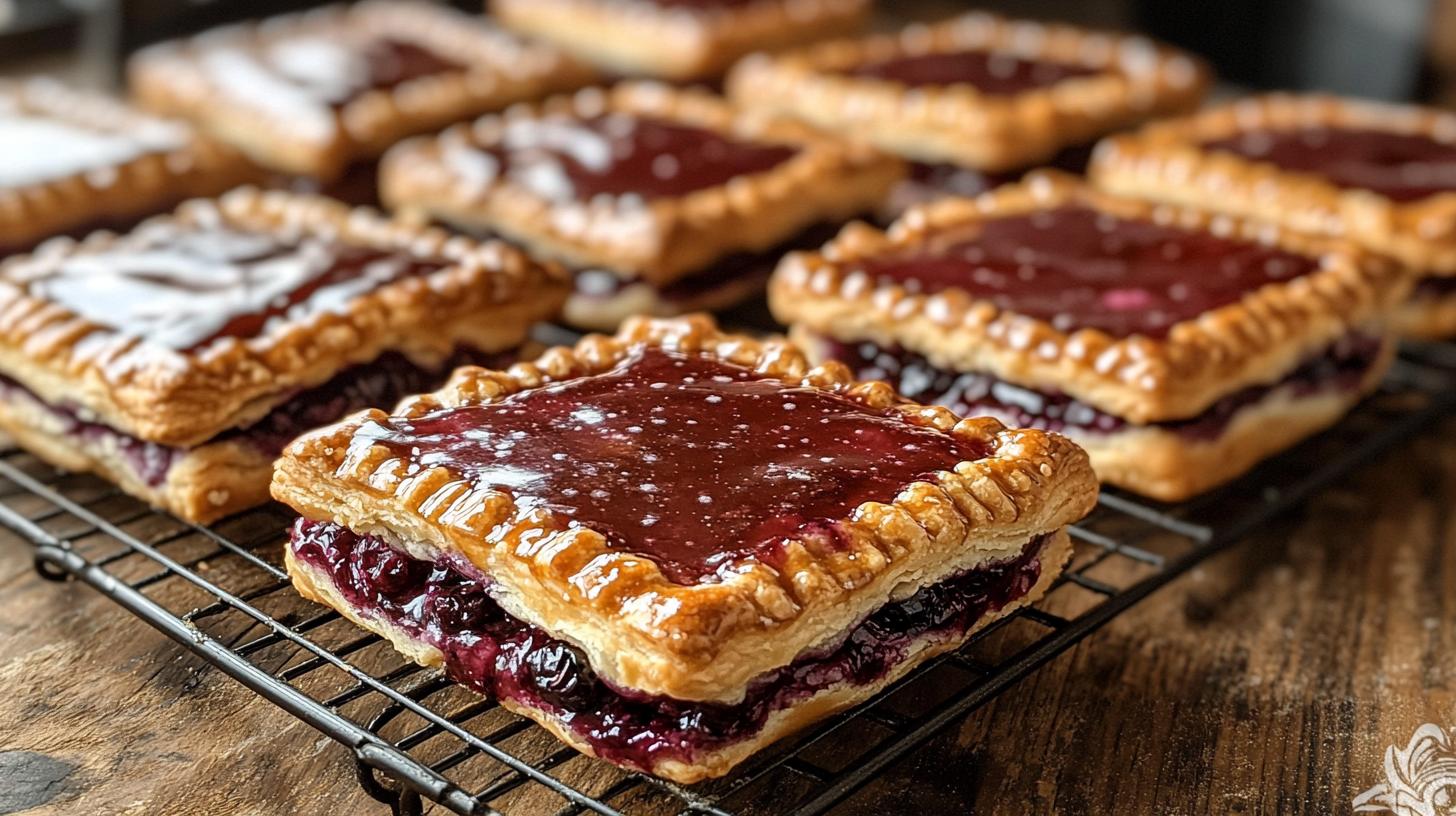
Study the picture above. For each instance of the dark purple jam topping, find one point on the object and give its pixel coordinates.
(1080, 269)
(618, 154)
(1342, 368)
(994, 74)
(495, 654)
(680, 458)
(1400, 166)
(379, 384)
(186, 287)
(393, 63)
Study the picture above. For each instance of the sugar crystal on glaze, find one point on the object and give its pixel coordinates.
(680, 458)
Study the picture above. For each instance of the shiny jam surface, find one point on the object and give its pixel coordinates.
(1400, 166)
(564, 158)
(185, 289)
(995, 74)
(1342, 368)
(680, 458)
(495, 654)
(1080, 269)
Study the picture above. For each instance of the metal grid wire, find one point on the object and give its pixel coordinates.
(223, 595)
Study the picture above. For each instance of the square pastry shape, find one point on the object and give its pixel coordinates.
(679, 40)
(178, 360)
(71, 162)
(675, 546)
(664, 200)
(978, 90)
(310, 93)
(1178, 347)
(1381, 174)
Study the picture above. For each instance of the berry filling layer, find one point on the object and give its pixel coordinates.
(1434, 288)
(1341, 369)
(566, 158)
(1400, 166)
(450, 608)
(670, 455)
(993, 74)
(731, 271)
(928, 182)
(380, 384)
(1077, 268)
(188, 287)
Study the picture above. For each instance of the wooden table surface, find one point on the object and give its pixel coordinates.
(1271, 679)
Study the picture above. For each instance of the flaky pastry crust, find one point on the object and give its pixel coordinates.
(182, 164)
(487, 296)
(704, 641)
(639, 38)
(660, 240)
(498, 70)
(1165, 162)
(1136, 80)
(1256, 341)
(1425, 318)
(316, 585)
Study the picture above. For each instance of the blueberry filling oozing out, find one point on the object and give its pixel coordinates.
(1343, 367)
(449, 607)
(378, 384)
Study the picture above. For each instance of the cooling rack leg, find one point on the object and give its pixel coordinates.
(409, 804)
(48, 564)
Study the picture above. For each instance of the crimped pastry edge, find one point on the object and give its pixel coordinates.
(705, 641)
(1253, 342)
(488, 295)
(128, 191)
(1164, 162)
(658, 241)
(499, 70)
(637, 38)
(959, 124)
(315, 585)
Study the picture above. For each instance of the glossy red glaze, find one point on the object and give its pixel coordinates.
(682, 459)
(994, 74)
(617, 154)
(1399, 166)
(1081, 269)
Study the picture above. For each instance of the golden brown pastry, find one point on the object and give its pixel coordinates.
(978, 99)
(71, 162)
(663, 200)
(1383, 175)
(675, 546)
(677, 40)
(310, 93)
(177, 360)
(1177, 346)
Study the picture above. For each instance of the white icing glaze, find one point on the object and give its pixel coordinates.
(534, 146)
(35, 150)
(239, 74)
(182, 287)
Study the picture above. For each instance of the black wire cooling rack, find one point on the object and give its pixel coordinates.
(223, 595)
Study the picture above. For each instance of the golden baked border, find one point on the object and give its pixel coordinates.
(150, 183)
(645, 39)
(659, 240)
(705, 641)
(499, 70)
(1138, 79)
(1165, 162)
(487, 295)
(1253, 342)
